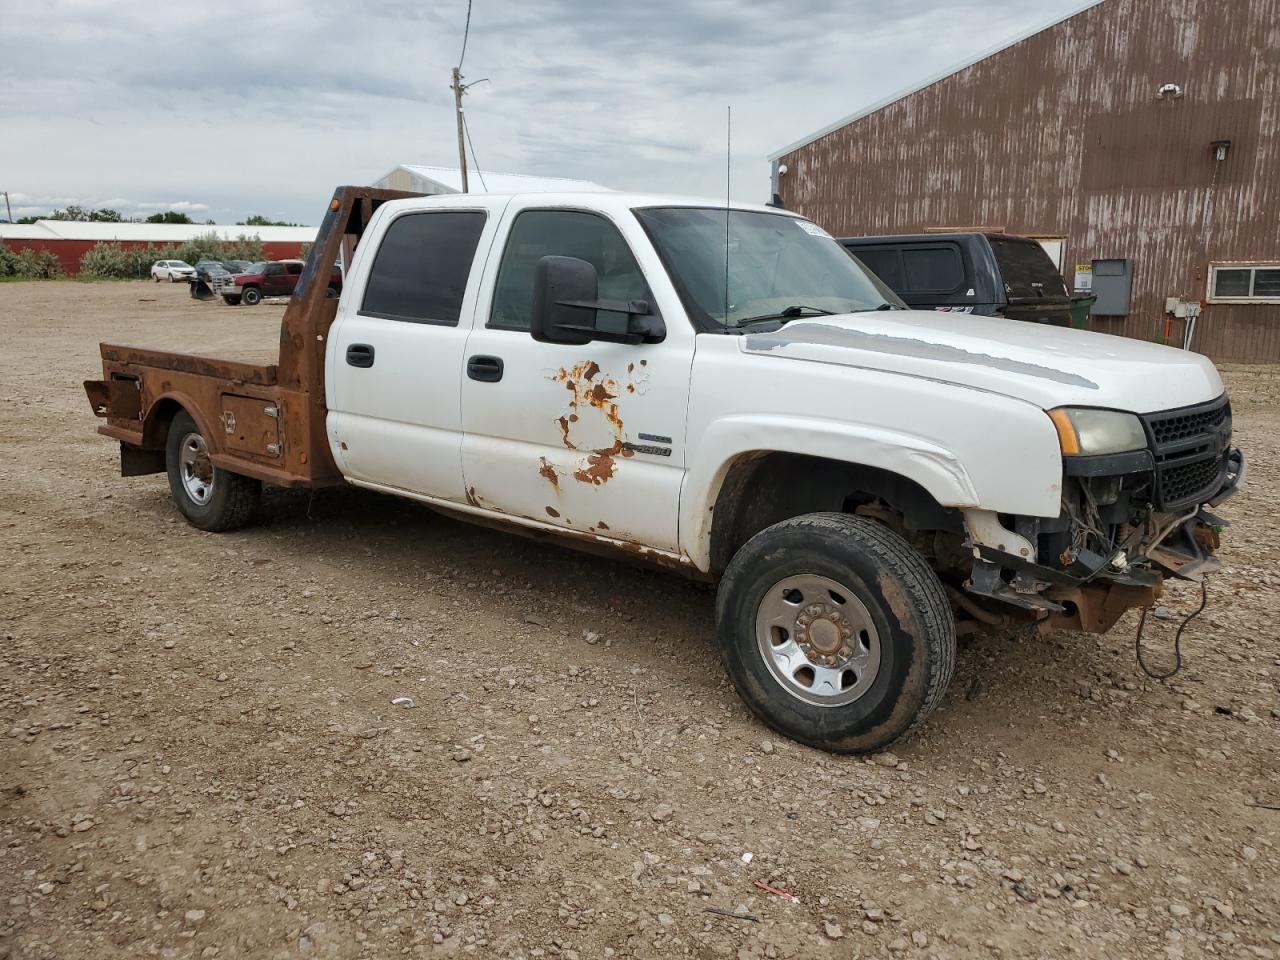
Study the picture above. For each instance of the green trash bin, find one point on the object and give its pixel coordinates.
(1080, 311)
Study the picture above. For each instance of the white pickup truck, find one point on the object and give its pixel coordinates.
(727, 392)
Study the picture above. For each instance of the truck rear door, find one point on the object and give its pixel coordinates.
(395, 358)
(590, 437)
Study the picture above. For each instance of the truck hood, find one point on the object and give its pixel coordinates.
(1047, 366)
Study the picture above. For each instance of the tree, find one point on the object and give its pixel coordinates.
(258, 220)
(169, 216)
(76, 212)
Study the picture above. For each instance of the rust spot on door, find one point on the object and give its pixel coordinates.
(552, 512)
(600, 465)
(549, 473)
(602, 525)
(564, 433)
(472, 498)
(591, 389)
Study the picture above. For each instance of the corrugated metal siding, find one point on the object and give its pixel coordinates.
(1061, 134)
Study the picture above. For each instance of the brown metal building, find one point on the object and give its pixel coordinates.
(1146, 130)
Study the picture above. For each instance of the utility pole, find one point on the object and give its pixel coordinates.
(457, 107)
(8, 209)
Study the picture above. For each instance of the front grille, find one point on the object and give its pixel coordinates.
(1190, 446)
(1184, 482)
(1173, 426)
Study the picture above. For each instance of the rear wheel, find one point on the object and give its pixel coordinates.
(251, 296)
(835, 631)
(331, 292)
(209, 497)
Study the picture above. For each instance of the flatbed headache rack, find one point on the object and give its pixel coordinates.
(261, 417)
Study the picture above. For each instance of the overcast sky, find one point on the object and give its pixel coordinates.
(224, 109)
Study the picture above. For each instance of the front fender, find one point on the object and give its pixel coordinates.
(935, 468)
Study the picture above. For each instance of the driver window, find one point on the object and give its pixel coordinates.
(564, 233)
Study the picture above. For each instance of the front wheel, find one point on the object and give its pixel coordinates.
(231, 300)
(835, 632)
(209, 497)
(251, 296)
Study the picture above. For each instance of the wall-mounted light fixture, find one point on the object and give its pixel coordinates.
(1169, 90)
(782, 168)
(1220, 148)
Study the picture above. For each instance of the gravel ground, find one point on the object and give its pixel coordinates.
(201, 757)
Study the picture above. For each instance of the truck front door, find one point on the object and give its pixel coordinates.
(591, 437)
(395, 358)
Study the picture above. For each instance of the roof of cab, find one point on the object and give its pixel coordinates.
(613, 201)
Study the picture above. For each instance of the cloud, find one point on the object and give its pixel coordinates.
(270, 111)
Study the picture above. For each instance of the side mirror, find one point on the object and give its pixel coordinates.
(566, 308)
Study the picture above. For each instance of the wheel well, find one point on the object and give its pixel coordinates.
(156, 429)
(762, 489)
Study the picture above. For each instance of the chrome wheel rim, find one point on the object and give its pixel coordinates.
(818, 640)
(196, 469)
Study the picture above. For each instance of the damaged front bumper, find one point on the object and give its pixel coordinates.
(1084, 569)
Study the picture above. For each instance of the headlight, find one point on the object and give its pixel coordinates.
(1087, 432)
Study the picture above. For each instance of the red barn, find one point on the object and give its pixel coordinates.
(69, 240)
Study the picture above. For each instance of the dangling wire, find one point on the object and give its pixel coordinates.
(466, 128)
(1177, 637)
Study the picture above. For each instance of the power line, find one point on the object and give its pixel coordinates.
(465, 32)
(466, 127)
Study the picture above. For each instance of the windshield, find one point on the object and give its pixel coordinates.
(779, 267)
(256, 267)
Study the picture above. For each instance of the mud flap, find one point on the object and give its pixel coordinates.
(136, 462)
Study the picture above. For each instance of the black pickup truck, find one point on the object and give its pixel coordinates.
(991, 274)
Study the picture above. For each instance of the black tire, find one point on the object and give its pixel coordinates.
(913, 630)
(230, 499)
(231, 301)
(331, 292)
(251, 296)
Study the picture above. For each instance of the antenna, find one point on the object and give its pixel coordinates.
(728, 153)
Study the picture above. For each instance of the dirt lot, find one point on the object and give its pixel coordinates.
(201, 758)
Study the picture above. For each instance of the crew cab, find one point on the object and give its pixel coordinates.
(273, 278)
(724, 392)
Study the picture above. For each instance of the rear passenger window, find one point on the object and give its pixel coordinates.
(935, 269)
(421, 268)
(293, 268)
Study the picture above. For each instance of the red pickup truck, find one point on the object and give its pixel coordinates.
(275, 278)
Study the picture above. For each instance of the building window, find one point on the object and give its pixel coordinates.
(1244, 282)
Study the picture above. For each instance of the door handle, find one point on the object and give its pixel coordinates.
(360, 355)
(485, 369)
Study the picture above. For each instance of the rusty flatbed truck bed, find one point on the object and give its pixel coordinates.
(263, 417)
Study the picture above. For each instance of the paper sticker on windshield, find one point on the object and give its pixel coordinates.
(813, 229)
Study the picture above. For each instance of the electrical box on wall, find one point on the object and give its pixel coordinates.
(1113, 287)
